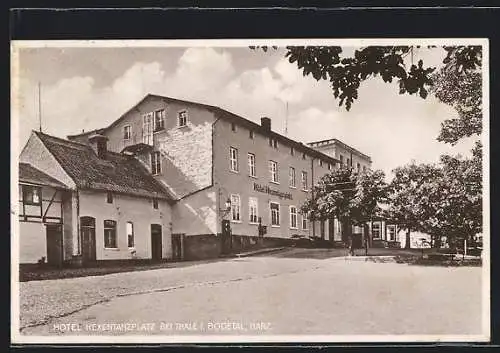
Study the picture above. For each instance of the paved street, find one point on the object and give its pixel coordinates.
(283, 293)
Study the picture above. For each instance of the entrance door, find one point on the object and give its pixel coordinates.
(177, 247)
(54, 245)
(226, 237)
(156, 242)
(87, 229)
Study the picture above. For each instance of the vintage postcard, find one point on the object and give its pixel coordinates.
(319, 190)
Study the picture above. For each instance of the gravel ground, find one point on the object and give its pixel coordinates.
(287, 294)
(41, 301)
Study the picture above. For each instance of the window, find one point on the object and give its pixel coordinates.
(159, 120)
(275, 143)
(348, 162)
(130, 235)
(341, 160)
(253, 210)
(233, 127)
(320, 162)
(392, 232)
(155, 204)
(270, 142)
(304, 181)
(364, 168)
(147, 129)
(110, 234)
(273, 169)
(233, 159)
(358, 167)
(155, 163)
(31, 195)
(303, 156)
(250, 134)
(109, 197)
(329, 166)
(182, 118)
(293, 217)
(376, 230)
(304, 222)
(291, 175)
(275, 214)
(292, 152)
(251, 164)
(127, 132)
(235, 208)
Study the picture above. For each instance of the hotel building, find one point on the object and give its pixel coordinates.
(207, 157)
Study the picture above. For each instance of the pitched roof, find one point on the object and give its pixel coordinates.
(225, 114)
(29, 174)
(117, 173)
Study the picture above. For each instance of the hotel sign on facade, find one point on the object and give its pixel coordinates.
(267, 190)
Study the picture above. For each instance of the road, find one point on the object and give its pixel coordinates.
(278, 294)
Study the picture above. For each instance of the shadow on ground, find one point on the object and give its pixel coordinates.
(319, 254)
(34, 273)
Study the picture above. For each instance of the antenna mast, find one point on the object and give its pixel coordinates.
(286, 118)
(39, 108)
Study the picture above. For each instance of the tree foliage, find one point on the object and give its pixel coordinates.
(441, 200)
(346, 194)
(463, 91)
(457, 83)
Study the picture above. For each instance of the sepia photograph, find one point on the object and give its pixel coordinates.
(197, 191)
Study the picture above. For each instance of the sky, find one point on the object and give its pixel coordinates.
(88, 88)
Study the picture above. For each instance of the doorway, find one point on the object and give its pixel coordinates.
(156, 242)
(177, 245)
(87, 229)
(54, 244)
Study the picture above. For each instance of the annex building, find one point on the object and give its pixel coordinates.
(170, 175)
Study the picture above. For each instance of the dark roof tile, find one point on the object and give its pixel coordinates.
(118, 173)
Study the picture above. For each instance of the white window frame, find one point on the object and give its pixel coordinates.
(393, 227)
(253, 204)
(156, 167)
(379, 224)
(235, 206)
(251, 165)
(128, 136)
(131, 233)
(304, 180)
(233, 160)
(274, 172)
(292, 216)
(162, 115)
(271, 214)
(114, 234)
(292, 176)
(184, 118)
(304, 219)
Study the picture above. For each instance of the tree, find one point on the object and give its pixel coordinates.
(410, 193)
(457, 83)
(463, 91)
(443, 200)
(349, 196)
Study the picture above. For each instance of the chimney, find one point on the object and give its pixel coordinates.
(99, 144)
(265, 122)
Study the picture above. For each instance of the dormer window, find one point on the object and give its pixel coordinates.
(182, 118)
(159, 120)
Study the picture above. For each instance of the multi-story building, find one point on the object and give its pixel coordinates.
(207, 158)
